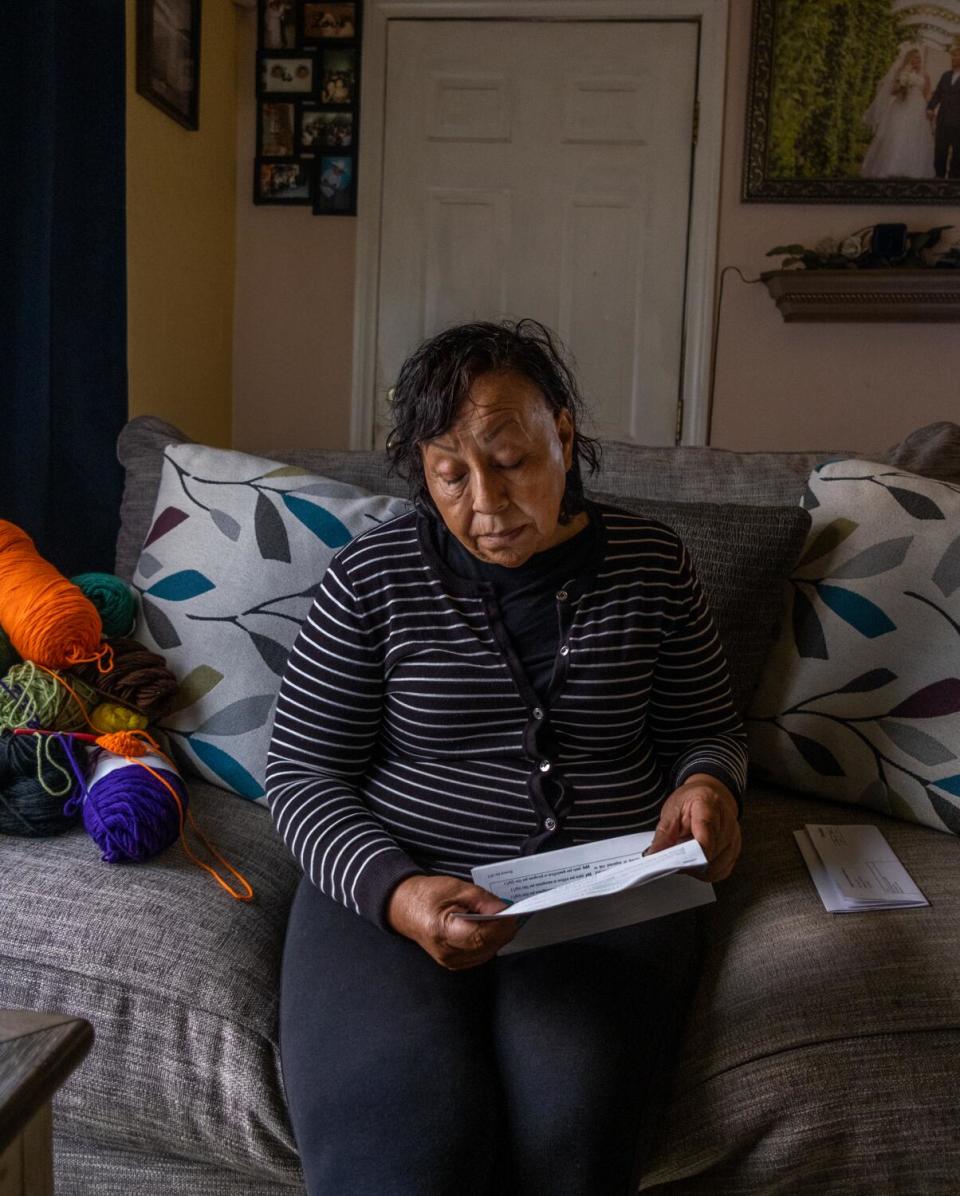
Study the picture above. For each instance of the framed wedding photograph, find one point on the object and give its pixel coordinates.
(278, 24)
(853, 103)
(168, 57)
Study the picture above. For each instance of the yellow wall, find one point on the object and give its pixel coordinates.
(181, 207)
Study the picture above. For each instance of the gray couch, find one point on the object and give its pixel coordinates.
(820, 1054)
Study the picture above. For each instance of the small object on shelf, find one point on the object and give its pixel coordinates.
(876, 247)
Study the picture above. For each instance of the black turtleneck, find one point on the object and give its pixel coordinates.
(526, 594)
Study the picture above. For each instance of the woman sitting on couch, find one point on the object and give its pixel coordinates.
(506, 669)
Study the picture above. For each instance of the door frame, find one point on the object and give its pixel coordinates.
(711, 17)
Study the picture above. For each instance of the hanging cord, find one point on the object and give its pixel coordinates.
(714, 348)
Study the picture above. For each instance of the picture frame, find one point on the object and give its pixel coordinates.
(278, 132)
(335, 185)
(330, 22)
(323, 130)
(283, 182)
(308, 104)
(278, 25)
(283, 74)
(838, 107)
(168, 58)
(339, 75)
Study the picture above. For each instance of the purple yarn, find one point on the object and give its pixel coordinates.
(129, 814)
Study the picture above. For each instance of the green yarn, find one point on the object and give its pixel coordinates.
(8, 655)
(113, 598)
(29, 694)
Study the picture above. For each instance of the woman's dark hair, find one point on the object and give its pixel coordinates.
(434, 381)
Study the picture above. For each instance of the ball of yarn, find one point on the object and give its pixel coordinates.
(30, 696)
(35, 783)
(8, 658)
(139, 678)
(47, 619)
(108, 717)
(128, 813)
(112, 597)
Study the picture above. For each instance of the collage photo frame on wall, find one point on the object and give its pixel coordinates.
(308, 103)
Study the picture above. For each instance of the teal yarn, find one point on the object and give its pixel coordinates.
(113, 598)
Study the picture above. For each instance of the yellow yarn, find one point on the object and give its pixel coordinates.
(109, 717)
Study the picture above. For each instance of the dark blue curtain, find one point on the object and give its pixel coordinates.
(63, 371)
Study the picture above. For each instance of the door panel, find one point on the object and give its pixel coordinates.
(542, 168)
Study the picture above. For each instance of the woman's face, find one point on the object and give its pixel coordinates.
(498, 473)
(914, 60)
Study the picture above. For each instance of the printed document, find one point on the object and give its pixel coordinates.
(593, 887)
(855, 868)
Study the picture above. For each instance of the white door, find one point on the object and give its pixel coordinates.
(542, 168)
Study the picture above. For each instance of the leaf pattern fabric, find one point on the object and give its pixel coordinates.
(860, 698)
(237, 548)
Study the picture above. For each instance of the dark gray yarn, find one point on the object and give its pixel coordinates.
(25, 806)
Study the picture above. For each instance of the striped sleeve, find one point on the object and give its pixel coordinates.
(325, 727)
(692, 719)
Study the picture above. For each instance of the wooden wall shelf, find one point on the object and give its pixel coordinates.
(866, 296)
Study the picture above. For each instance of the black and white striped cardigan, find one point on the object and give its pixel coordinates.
(407, 738)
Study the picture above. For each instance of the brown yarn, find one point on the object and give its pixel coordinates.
(140, 678)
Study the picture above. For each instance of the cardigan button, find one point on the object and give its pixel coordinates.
(550, 824)
(564, 651)
(545, 766)
(537, 712)
(561, 595)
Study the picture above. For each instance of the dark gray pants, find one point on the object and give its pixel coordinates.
(537, 1074)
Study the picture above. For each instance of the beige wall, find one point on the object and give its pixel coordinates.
(858, 386)
(180, 243)
(778, 385)
(294, 303)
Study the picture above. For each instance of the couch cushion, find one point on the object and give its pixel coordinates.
(140, 450)
(226, 576)
(859, 701)
(179, 981)
(742, 555)
(820, 1050)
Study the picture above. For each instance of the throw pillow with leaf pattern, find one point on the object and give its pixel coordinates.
(228, 571)
(860, 699)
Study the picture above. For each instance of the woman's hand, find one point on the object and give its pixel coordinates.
(424, 908)
(702, 808)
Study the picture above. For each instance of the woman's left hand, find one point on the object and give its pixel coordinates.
(702, 808)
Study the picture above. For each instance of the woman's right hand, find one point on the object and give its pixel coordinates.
(424, 908)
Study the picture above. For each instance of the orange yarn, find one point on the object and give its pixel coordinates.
(47, 619)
